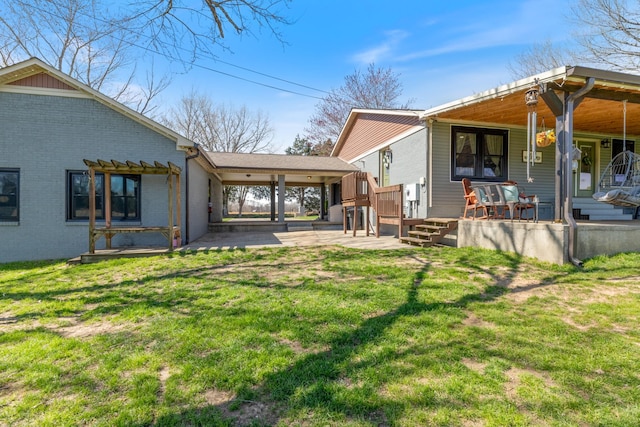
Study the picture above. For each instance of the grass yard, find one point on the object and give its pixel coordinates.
(321, 337)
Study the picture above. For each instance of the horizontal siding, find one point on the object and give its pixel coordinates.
(42, 80)
(371, 130)
(448, 196)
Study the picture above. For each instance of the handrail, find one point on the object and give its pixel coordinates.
(361, 186)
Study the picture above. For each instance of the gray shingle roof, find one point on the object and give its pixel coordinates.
(282, 162)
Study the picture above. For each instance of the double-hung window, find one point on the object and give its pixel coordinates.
(478, 153)
(125, 196)
(9, 195)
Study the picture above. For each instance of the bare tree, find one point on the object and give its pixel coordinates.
(539, 58)
(79, 38)
(178, 28)
(375, 88)
(100, 43)
(609, 33)
(607, 36)
(222, 128)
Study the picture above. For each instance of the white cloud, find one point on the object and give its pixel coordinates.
(489, 29)
(383, 50)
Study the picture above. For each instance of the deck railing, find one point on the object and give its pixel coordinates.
(388, 201)
(362, 187)
(355, 187)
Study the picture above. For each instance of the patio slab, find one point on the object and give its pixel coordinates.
(231, 240)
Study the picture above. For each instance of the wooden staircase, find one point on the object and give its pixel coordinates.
(430, 232)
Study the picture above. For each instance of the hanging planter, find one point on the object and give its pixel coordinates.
(545, 138)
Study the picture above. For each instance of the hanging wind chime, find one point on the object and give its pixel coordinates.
(531, 99)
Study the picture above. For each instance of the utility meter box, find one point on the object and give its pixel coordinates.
(412, 192)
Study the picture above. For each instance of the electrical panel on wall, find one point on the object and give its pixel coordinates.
(412, 192)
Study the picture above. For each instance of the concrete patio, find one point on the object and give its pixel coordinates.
(232, 240)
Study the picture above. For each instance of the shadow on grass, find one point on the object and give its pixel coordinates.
(312, 383)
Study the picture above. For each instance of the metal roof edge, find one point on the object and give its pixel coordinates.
(604, 75)
(497, 92)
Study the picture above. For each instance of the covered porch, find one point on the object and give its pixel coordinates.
(594, 116)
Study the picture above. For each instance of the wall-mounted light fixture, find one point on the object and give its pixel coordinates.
(605, 143)
(387, 157)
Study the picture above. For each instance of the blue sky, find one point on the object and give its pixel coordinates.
(441, 50)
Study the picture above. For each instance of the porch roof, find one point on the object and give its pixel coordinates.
(262, 169)
(601, 112)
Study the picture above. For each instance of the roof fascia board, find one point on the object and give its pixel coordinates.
(44, 91)
(498, 92)
(614, 77)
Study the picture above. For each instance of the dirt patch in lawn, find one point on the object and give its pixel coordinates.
(473, 320)
(76, 329)
(243, 412)
(474, 365)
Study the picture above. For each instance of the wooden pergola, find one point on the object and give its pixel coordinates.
(171, 231)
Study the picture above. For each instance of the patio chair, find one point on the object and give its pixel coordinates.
(492, 197)
(517, 201)
(472, 203)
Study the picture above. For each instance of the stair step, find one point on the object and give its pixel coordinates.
(416, 241)
(301, 228)
(432, 227)
(422, 235)
(624, 217)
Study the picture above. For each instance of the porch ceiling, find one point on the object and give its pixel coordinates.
(601, 111)
(262, 169)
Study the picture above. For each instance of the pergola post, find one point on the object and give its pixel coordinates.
(107, 206)
(170, 210)
(92, 210)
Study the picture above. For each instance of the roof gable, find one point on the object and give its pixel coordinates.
(34, 74)
(367, 130)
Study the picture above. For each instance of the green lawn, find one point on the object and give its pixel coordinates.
(321, 336)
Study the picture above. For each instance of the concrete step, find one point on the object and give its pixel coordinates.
(622, 217)
(299, 226)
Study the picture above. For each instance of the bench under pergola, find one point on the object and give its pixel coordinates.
(171, 232)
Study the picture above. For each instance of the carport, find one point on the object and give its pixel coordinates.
(275, 171)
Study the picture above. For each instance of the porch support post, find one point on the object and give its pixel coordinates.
(560, 150)
(217, 199)
(323, 201)
(281, 191)
(273, 201)
(556, 105)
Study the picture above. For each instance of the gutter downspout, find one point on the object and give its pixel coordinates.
(430, 122)
(568, 153)
(186, 193)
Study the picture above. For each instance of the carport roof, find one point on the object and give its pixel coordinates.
(600, 112)
(262, 169)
